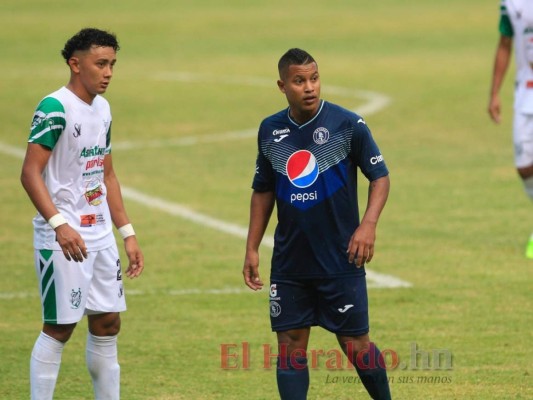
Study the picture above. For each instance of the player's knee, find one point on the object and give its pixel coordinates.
(105, 324)
(354, 344)
(525, 172)
(60, 333)
(295, 339)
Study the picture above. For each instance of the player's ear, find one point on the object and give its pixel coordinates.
(281, 86)
(74, 64)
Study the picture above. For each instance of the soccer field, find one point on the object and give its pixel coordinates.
(450, 288)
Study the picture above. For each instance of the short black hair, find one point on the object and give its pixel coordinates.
(294, 56)
(87, 37)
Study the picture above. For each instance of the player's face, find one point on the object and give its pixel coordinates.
(94, 69)
(301, 85)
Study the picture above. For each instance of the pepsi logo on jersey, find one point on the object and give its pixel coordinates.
(302, 171)
(302, 168)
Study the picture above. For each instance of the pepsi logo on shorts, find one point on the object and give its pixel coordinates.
(302, 168)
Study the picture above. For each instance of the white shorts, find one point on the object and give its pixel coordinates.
(71, 289)
(523, 139)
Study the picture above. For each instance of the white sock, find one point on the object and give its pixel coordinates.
(102, 362)
(44, 366)
(528, 185)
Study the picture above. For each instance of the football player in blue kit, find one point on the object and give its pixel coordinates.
(308, 157)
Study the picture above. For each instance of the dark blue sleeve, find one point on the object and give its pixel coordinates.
(264, 180)
(366, 154)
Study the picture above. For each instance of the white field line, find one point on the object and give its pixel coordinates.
(136, 292)
(186, 141)
(376, 280)
(375, 103)
(178, 210)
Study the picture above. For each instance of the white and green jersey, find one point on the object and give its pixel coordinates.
(516, 21)
(79, 136)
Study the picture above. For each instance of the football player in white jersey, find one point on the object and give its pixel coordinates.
(69, 177)
(516, 26)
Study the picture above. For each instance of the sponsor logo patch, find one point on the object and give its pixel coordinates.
(376, 159)
(302, 168)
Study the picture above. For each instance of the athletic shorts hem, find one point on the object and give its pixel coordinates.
(348, 333)
(55, 322)
(96, 312)
(291, 327)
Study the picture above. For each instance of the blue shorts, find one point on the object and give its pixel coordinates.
(339, 305)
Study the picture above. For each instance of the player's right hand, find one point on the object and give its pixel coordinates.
(250, 271)
(71, 243)
(495, 109)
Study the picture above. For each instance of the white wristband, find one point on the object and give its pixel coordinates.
(126, 231)
(57, 220)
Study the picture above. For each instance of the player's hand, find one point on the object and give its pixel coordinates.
(135, 257)
(71, 243)
(361, 246)
(495, 109)
(250, 271)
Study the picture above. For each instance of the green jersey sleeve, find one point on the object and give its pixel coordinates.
(108, 139)
(506, 28)
(48, 122)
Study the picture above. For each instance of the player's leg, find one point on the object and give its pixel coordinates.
(523, 144)
(292, 372)
(63, 287)
(102, 354)
(369, 364)
(343, 309)
(105, 302)
(46, 359)
(291, 315)
(526, 173)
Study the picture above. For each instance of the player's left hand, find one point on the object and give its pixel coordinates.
(135, 257)
(361, 246)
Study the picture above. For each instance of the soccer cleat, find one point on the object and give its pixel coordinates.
(529, 249)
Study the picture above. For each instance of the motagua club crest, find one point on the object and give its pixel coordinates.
(321, 135)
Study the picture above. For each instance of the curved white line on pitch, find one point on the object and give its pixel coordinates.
(373, 102)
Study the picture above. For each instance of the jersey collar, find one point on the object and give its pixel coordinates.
(308, 122)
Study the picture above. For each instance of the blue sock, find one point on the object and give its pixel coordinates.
(371, 370)
(293, 378)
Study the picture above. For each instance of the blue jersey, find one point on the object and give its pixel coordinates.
(312, 169)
